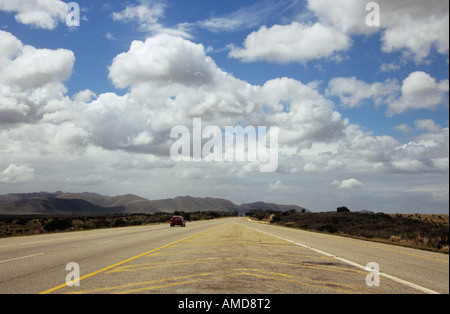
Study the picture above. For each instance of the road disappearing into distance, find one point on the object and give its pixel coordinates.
(224, 256)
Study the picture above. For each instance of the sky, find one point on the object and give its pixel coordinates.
(357, 90)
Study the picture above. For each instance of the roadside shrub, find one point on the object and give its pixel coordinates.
(343, 209)
(58, 224)
(119, 223)
(399, 229)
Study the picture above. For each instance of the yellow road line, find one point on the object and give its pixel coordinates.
(117, 264)
(291, 279)
(263, 239)
(160, 286)
(153, 266)
(162, 282)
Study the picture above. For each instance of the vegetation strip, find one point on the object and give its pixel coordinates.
(430, 232)
(19, 225)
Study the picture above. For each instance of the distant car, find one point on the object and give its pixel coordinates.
(177, 221)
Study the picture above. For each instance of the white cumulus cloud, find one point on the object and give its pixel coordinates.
(420, 91)
(16, 174)
(44, 14)
(292, 43)
(31, 79)
(411, 26)
(163, 59)
(146, 14)
(348, 184)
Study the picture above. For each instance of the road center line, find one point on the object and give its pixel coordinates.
(401, 281)
(121, 263)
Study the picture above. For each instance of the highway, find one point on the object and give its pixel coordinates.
(224, 256)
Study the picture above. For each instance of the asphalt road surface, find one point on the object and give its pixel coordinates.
(225, 256)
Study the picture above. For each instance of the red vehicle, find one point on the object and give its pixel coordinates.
(177, 221)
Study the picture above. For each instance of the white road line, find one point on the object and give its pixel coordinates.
(62, 238)
(401, 281)
(26, 243)
(16, 258)
(105, 241)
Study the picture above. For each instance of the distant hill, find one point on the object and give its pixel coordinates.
(130, 203)
(53, 205)
(192, 204)
(9, 198)
(92, 203)
(271, 206)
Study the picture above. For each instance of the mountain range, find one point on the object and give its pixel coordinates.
(92, 203)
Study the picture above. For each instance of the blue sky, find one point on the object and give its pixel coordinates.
(94, 51)
(368, 106)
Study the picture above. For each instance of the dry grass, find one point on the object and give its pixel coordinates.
(429, 218)
(430, 232)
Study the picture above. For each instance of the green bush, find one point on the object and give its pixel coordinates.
(58, 224)
(406, 230)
